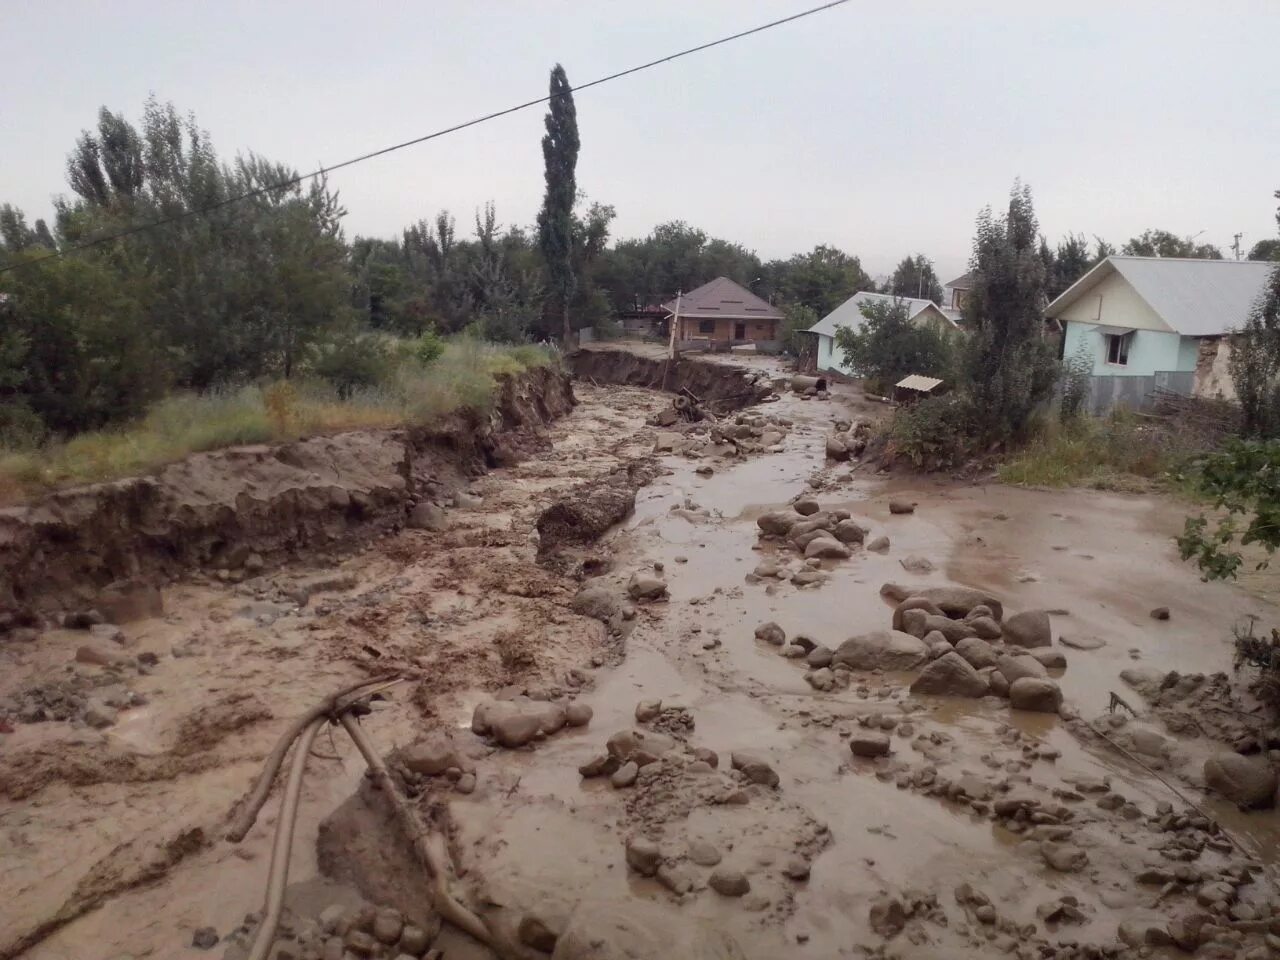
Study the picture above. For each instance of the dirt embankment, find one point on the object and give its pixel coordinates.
(241, 508)
(731, 387)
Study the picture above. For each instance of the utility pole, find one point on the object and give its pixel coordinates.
(675, 322)
(1235, 246)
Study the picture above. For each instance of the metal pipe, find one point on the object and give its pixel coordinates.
(278, 874)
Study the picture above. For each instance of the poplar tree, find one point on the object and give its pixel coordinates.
(555, 220)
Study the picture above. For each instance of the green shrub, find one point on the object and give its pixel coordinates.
(352, 360)
(934, 433)
(428, 348)
(20, 427)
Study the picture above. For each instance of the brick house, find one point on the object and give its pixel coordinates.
(721, 314)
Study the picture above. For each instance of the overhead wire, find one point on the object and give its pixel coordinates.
(322, 171)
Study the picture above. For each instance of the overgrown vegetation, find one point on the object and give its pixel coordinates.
(405, 391)
(1118, 452)
(889, 346)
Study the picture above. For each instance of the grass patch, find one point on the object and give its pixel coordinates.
(1120, 452)
(464, 376)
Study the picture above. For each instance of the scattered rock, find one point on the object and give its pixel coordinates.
(729, 883)
(771, 633)
(865, 743)
(435, 753)
(1030, 628)
(836, 449)
(98, 715)
(776, 522)
(1034, 693)
(888, 916)
(1016, 666)
(819, 657)
(703, 853)
(1249, 782)
(514, 723)
(879, 545)
(99, 656)
(918, 565)
(578, 714)
(985, 627)
(625, 775)
(646, 710)
(950, 676)
(205, 938)
(827, 548)
(796, 869)
(754, 767)
(806, 506)
(978, 652)
(952, 601)
(1081, 643)
(1160, 613)
(466, 784)
(1050, 658)
(1063, 857)
(643, 856)
(387, 925)
(849, 531)
(428, 516)
(901, 506)
(679, 879)
(645, 586)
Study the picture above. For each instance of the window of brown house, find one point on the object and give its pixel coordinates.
(706, 326)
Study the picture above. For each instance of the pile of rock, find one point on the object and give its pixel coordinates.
(521, 720)
(745, 434)
(848, 440)
(339, 932)
(813, 533)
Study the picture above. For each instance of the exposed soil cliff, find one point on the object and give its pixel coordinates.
(257, 504)
(731, 386)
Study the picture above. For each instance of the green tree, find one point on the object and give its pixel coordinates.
(888, 346)
(822, 279)
(796, 317)
(915, 277)
(1162, 243)
(1265, 250)
(1011, 367)
(555, 220)
(1071, 261)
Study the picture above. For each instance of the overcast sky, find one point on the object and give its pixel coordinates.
(879, 127)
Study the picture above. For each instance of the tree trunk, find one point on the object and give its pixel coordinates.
(568, 333)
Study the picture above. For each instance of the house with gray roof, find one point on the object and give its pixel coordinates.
(849, 315)
(721, 314)
(1159, 321)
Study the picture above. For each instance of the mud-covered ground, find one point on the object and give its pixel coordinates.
(985, 831)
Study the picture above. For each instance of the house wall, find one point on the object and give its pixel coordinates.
(1150, 351)
(1113, 302)
(723, 330)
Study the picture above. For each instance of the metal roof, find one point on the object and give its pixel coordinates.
(916, 382)
(1196, 298)
(849, 314)
(722, 297)
(962, 282)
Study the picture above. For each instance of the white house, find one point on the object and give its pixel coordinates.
(1161, 318)
(849, 316)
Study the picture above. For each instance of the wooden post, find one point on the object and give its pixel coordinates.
(675, 323)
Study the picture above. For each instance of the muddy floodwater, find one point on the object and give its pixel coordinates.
(822, 852)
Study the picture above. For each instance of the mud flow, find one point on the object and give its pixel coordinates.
(670, 687)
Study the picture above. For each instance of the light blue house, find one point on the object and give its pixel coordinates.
(1157, 321)
(849, 315)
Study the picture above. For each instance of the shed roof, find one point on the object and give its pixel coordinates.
(849, 314)
(722, 297)
(1196, 298)
(916, 381)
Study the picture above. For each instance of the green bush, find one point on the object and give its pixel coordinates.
(352, 360)
(889, 346)
(429, 347)
(20, 427)
(934, 433)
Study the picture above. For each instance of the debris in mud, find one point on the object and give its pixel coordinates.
(590, 509)
(519, 721)
(901, 506)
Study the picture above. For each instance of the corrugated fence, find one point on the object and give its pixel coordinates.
(1134, 393)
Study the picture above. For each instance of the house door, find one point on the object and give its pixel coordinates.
(739, 331)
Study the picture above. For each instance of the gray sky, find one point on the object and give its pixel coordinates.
(879, 127)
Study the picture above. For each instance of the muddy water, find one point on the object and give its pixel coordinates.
(535, 836)
(1103, 560)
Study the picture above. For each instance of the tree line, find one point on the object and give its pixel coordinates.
(269, 286)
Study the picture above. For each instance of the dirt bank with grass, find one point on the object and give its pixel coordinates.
(238, 510)
(728, 386)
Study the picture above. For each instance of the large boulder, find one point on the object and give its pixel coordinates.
(1249, 782)
(913, 603)
(826, 548)
(754, 767)
(1035, 693)
(513, 723)
(978, 652)
(850, 531)
(1015, 667)
(435, 753)
(645, 586)
(1030, 628)
(882, 650)
(950, 676)
(953, 601)
(777, 522)
(428, 516)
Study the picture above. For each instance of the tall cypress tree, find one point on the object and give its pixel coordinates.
(555, 220)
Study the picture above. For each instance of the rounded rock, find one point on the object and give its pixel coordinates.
(729, 883)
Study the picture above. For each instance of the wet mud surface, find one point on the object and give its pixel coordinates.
(984, 831)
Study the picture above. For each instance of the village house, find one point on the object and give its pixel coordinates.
(954, 295)
(1147, 322)
(721, 314)
(849, 316)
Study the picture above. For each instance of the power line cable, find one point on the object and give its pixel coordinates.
(257, 191)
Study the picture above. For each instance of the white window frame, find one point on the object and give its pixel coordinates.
(1122, 348)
